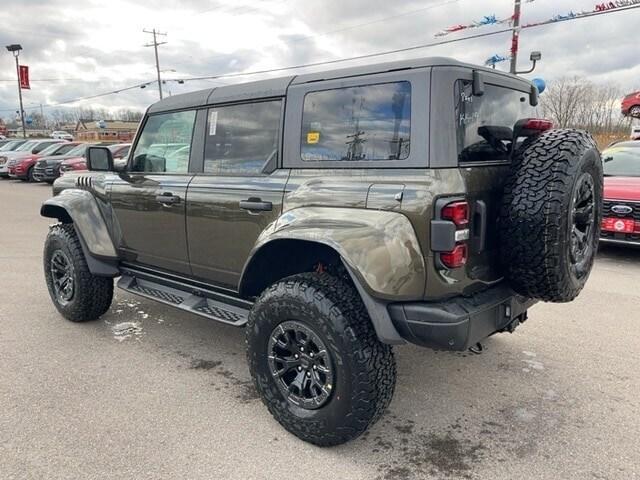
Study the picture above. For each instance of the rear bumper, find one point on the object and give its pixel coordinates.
(460, 322)
(625, 241)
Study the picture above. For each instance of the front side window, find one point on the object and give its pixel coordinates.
(242, 139)
(165, 143)
(370, 122)
(484, 124)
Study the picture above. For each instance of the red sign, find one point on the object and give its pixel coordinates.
(618, 225)
(24, 77)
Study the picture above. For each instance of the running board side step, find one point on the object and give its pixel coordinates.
(187, 301)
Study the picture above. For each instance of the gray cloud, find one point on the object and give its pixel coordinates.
(66, 39)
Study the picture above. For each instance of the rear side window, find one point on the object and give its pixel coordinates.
(484, 124)
(242, 139)
(370, 122)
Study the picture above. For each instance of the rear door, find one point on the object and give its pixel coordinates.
(483, 135)
(239, 191)
(149, 198)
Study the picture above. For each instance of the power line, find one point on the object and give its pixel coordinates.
(407, 49)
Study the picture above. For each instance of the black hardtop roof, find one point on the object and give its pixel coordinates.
(277, 87)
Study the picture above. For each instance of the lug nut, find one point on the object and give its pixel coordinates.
(311, 354)
(315, 367)
(296, 356)
(302, 349)
(308, 373)
(299, 369)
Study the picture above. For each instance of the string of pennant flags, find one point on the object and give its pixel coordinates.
(489, 20)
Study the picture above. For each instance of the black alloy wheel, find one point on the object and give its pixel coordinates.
(62, 275)
(582, 219)
(301, 365)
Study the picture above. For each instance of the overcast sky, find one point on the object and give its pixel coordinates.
(94, 46)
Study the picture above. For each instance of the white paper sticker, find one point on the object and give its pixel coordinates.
(213, 122)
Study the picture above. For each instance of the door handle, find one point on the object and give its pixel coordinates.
(256, 204)
(168, 198)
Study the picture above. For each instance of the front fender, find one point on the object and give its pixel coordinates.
(81, 208)
(379, 247)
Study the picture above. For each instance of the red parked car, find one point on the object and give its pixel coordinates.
(22, 168)
(621, 212)
(119, 152)
(631, 105)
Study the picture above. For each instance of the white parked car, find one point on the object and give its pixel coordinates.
(62, 135)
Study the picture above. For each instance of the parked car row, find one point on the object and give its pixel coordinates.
(45, 160)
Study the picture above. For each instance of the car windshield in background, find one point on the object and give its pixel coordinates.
(11, 146)
(26, 146)
(621, 162)
(78, 151)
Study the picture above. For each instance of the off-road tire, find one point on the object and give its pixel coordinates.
(365, 369)
(92, 295)
(536, 214)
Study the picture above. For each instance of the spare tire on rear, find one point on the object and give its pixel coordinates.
(550, 215)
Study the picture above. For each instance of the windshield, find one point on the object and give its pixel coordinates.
(52, 149)
(9, 147)
(26, 146)
(621, 162)
(78, 151)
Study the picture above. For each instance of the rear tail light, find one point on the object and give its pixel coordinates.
(530, 127)
(538, 124)
(456, 258)
(456, 212)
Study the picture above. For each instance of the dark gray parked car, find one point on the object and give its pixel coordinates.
(333, 215)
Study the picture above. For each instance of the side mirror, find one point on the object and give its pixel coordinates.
(478, 84)
(99, 159)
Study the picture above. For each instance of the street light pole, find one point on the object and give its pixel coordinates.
(15, 49)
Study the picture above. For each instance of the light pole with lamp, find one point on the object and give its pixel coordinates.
(15, 49)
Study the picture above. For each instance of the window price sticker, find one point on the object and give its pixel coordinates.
(213, 122)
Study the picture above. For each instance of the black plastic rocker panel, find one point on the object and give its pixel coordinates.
(185, 300)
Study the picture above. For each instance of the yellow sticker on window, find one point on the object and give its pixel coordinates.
(313, 137)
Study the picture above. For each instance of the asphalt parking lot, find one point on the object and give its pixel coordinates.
(148, 392)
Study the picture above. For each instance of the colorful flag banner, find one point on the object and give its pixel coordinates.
(496, 59)
(493, 20)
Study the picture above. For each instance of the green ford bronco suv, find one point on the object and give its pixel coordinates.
(334, 215)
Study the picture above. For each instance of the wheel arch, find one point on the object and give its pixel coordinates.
(79, 208)
(281, 258)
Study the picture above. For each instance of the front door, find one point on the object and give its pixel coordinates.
(149, 199)
(240, 191)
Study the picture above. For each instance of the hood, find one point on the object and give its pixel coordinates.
(622, 188)
(71, 160)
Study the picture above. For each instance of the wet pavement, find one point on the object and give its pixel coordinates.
(147, 392)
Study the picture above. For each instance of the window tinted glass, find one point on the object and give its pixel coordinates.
(371, 122)
(621, 162)
(485, 123)
(241, 139)
(165, 143)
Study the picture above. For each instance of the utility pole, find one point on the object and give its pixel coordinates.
(15, 49)
(155, 45)
(515, 37)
